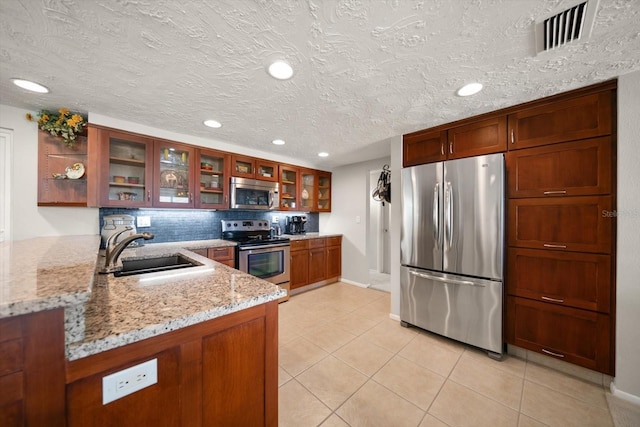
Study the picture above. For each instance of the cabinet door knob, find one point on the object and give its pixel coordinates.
(148, 195)
(513, 137)
(442, 148)
(451, 147)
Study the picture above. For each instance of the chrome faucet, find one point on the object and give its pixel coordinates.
(113, 251)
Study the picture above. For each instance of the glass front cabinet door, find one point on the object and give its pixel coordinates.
(288, 188)
(173, 176)
(324, 191)
(308, 191)
(127, 175)
(213, 189)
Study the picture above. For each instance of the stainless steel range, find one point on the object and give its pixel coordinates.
(260, 252)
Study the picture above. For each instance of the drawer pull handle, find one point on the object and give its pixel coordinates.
(513, 137)
(550, 193)
(548, 245)
(552, 299)
(544, 350)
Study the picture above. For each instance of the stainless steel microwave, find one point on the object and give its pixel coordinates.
(254, 194)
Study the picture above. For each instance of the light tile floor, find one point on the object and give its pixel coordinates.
(344, 362)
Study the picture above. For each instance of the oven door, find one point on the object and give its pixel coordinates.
(269, 262)
(254, 194)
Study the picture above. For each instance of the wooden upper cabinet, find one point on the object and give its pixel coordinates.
(308, 190)
(424, 147)
(212, 192)
(174, 175)
(587, 116)
(478, 138)
(125, 169)
(567, 169)
(289, 185)
(573, 279)
(583, 224)
(472, 139)
(324, 191)
(253, 168)
(54, 158)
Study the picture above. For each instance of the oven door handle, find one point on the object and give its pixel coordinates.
(264, 248)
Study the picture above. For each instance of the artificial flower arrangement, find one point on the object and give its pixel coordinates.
(65, 125)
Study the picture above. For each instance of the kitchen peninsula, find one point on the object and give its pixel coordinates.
(211, 329)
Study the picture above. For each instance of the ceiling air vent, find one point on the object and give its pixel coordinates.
(571, 24)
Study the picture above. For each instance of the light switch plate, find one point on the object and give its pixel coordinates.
(274, 219)
(129, 380)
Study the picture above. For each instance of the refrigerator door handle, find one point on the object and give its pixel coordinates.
(448, 213)
(442, 279)
(436, 213)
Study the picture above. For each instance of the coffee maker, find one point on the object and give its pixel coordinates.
(295, 224)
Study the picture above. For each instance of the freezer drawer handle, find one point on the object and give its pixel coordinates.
(552, 299)
(548, 245)
(544, 350)
(442, 279)
(550, 193)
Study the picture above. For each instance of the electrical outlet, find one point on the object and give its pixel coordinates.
(129, 380)
(357, 219)
(143, 221)
(274, 219)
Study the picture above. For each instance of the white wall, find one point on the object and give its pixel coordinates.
(394, 228)
(29, 220)
(627, 379)
(349, 200)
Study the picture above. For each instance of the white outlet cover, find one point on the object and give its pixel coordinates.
(130, 380)
(274, 219)
(143, 221)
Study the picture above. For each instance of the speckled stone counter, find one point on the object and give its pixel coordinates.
(46, 273)
(102, 311)
(312, 235)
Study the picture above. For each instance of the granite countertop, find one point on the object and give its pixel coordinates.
(104, 312)
(311, 235)
(46, 273)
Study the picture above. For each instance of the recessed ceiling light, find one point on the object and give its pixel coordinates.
(280, 70)
(323, 154)
(32, 86)
(277, 142)
(213, 124)
(469, 89)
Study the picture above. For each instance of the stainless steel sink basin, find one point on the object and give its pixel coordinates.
(152, 265)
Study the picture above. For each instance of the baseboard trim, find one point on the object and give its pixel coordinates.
(351, 282)
(631, 398)
(394, 317)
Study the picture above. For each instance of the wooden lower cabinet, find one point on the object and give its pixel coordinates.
(225, 255)
(222, 372)
(577, 336)
(32, 369)
(334, 257)
(299, 263)
(317, 260)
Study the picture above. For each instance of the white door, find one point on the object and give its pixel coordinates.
(6, 142)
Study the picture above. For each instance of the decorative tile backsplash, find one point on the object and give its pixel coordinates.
(174, 225)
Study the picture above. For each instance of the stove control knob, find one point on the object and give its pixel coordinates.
(235, 224)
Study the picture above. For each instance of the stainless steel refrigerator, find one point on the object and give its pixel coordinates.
(452, 249)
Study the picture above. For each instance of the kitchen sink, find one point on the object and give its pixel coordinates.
(152, 265)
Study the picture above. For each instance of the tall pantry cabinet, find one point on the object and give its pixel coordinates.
(561, 164)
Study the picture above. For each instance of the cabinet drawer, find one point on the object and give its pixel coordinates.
(568, 169)
(317, 243)
(220, 254)
(299, 245)
(423, 147)
(483, 137)
(572, 279)
(577, 336)
(334, 241)
(584, 117)
(566, 223)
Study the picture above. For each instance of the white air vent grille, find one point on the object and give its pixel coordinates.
(571, 24)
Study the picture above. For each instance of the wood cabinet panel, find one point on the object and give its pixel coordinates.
(567, 169)
(424, 147)
(482, 137)
(221, 254)
(580, 280)
(317, 264)
(317, 243)
(299, 268)
(157, 405)
(334, 261)
(233, 372)
(567, 223)
(174, 175)
(583, 117)
(32, 377)
(212, 179)
(577, 336)
(299, 245)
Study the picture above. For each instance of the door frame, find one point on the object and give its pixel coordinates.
(6, 150)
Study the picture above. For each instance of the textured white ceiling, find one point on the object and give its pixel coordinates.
(364, 70)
